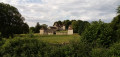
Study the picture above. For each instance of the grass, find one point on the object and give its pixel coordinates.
(55, 39)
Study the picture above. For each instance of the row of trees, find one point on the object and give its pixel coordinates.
(37, 27)
(78, 25)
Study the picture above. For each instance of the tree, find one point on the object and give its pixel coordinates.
(66, 23)
(25, 28)
(58, 23)
(32, 29)
(75, 25)
(82, 26)
(115, 24)
(44, 26)
(37, 27)
(79, 26)
(99, 33)
(118, 10)
(11, 20)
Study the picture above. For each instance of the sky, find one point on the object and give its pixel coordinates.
(49, 11)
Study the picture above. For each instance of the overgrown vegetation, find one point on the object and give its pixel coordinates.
(30, 47)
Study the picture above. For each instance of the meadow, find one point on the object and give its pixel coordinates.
(54, 39)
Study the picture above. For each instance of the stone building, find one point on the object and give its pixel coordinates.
(63, 27)
(70, 30)
(43, 31)
(51, 30)
(55, 30)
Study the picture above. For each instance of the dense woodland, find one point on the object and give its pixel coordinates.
(97, 39)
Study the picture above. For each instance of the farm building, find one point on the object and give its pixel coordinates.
(54, 30)
(70, 30)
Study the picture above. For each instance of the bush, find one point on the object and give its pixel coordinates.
(99, 52)
(115, 50)
(31, 34)
(99, 34)
(31, 47)
(80, 49)
(19, 47)
(74, 49)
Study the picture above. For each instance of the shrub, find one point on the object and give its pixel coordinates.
(115, 50)
(19, 47)
(31, 34)
(99, 52)
(74, 49)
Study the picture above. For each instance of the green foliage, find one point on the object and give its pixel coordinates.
(74, 49)
(112, 51)
(75, 25)
(31, 47)
(66, 23)
(37, 28)
(11, 21)
(80, 49)
(118, 10)
(0, 36)
(115, 50)
(82, 26)
(26, 47)
(25, 28)
(99, 34)
(31, 34)
(100, 52)
(32, 28)
(58, 23)
(115, 24)
(44, 26)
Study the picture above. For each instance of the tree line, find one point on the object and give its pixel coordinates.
(77, 25)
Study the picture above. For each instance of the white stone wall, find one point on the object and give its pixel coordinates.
(42, 32)
(63, 27)
(50, 33)
(61, 33)
(70, 32)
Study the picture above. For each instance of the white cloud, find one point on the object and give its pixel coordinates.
(49, 11)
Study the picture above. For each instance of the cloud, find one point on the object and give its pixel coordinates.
(49, 11)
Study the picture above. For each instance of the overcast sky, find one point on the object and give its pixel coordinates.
(49, 11)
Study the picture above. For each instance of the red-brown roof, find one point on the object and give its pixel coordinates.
(70, 27)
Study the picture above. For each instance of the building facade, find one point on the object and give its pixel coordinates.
(52, 30)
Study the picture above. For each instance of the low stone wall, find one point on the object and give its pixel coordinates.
(61, 33)
(50, 33)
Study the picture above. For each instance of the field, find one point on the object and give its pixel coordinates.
(55, 39)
